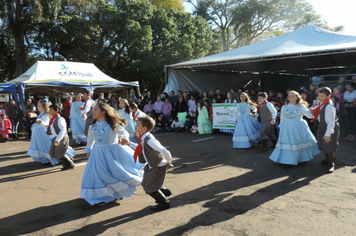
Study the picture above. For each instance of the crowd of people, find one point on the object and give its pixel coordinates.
(299, 124)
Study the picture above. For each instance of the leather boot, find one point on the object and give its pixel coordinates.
(68, 163)
(274, 143)
(163, 202)
(165, 191)
(264, 145)
(330, 162)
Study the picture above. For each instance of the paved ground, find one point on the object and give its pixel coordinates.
(217, 190)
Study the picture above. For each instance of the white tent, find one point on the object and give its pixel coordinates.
(63, 76)
(306, 52)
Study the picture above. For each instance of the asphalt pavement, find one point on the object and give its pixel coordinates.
(216, 190)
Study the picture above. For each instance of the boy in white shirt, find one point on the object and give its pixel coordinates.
(156, 157)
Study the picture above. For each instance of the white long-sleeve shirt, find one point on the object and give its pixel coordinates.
(62, 125)
(44, 118)
(155, 145)
(177, 124)
(88, 105)
(272, 110)
(329, 119)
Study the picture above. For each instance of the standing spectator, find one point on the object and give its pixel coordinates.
(101, 99)
(211, 95)
(350, 111)
(186, 98)
(173, 98)
(66, 110)
(204, 123)
(192, 107)
(167, 109)
(337, 92)
(342, 84)
(29, 111)
(149, 97)
(164, 96)
(253, 95)
(206, 98)
(271, 95)
(140, 104)
(13, 114)
(113, 99)
(219, 95)
(158, 106)
(181, 108)
(280, 99)
(3, 109)
(313, 91)
(307, 98)
(132, 96)
(5, 128)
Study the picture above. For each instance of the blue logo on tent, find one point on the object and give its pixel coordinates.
(64, 67)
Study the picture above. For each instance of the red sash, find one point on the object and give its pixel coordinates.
(317, 110)
(259, 106)
(85, 103)
(134, 116)
(52, 119)
(139, 148)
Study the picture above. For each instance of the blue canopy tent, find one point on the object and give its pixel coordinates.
(10, 88)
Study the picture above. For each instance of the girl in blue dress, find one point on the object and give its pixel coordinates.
(40, 141)
(230, 99)
(296, 143)
(124, 112)
(247, 127)
(77, 124)
(111, 172)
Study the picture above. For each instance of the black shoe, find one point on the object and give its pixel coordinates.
(264, 145)
(166, 191)
(274, 143)
(163, 202)
(161, 207)
(68, 167)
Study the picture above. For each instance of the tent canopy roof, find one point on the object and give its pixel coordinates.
(63, 74)
(305, 51)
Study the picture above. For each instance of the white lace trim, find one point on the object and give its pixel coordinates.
(109, 189)
(246, 138)
(296, 146)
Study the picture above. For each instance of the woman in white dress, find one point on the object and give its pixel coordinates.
(40, 141)
(126, 114)
(111, 173)
(77, 124)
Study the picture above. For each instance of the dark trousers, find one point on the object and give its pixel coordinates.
(350, 119)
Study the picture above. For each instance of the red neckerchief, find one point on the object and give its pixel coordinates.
(259, 106)
(139, 148)
(134, 116)
(52, 119)
(317, 110)
(85, 103)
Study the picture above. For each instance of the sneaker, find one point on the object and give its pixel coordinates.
(352, 138)
(347, 137)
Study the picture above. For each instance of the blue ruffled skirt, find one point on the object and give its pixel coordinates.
(246, 131)
(40, 145)
(77, 126)
(110, 174)
(296, 143)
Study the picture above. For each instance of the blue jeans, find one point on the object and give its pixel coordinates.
(15, 124)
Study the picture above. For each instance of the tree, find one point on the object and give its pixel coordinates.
(167, 5)
(241, 22)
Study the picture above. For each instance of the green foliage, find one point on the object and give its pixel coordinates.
(129, 40)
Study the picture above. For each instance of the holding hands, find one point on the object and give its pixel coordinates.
(123, 141)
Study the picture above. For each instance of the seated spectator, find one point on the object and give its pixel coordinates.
(189, 122)
(194, 128)
(148, 109)
(132, 96)
(140, 104)
(176, 125)
(160, 125)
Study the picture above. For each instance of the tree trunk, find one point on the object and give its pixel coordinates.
(223, 39)
(19, 32)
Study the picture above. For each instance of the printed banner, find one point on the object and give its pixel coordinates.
(224, 116)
